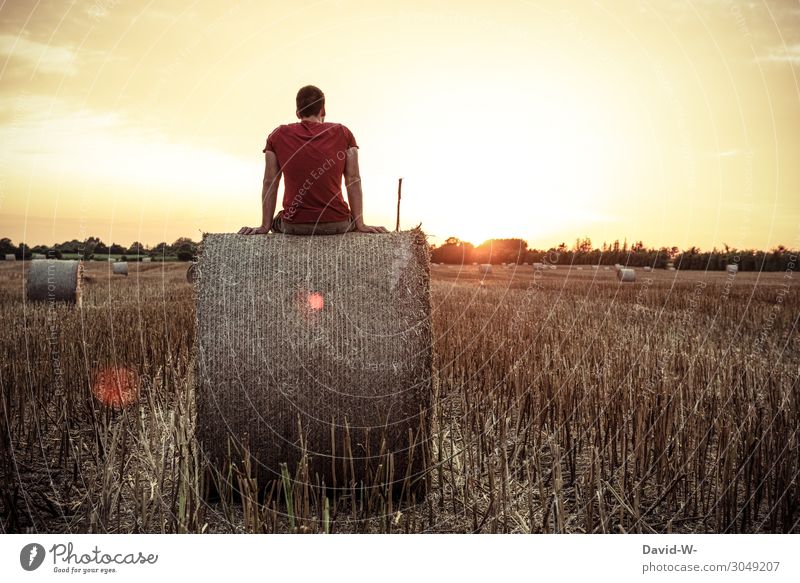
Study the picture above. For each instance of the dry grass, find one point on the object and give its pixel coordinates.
(567, 403)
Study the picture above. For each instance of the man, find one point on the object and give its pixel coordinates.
(313, 156)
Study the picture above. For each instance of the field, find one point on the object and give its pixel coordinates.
(565, 402)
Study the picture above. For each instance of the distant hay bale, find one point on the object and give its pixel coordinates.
(626, 274)
(595, 266)
(316, 345)
(485, 268)
(538, 265)
(146, 259)
(579, 268)
(120, 268)
(671, 268)
(606, 268)
(648, 268)
(38, 256)
(54, 280)
(552, 267)
(732, 268)
(11, 257)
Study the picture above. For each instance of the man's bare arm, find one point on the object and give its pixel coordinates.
(269, 195)
(352, 182)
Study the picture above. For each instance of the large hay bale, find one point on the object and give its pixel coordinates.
(54, 280)
(485, 268)
(11, 257)
(626, 274)
(120, 268)
(316, 344)
(732, 268)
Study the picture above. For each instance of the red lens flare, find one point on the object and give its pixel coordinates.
(116, 386)
(316, 301)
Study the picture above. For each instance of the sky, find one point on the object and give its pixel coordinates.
(674, 123)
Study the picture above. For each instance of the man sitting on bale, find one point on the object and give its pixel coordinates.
(313, 156)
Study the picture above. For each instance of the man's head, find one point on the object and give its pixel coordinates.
(310, 102)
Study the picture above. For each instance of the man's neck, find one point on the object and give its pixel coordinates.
(313, 118)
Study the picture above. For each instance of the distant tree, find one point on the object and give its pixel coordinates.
(160, 250)
(7, 246)
(116, 249)
(453, 251)
(184, 248)
(136, 248)
(23, 251)
(501, 251)
(185, 252)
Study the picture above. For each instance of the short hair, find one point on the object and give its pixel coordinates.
(310, 101)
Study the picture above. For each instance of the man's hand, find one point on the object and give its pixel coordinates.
(254, 230)
(362, 228)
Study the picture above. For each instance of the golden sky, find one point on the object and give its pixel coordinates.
(671, 122)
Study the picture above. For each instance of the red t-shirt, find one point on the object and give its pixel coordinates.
(311, 156)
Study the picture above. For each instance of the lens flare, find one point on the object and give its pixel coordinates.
(316, 301)
(116, 386)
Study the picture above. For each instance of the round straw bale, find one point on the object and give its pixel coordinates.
(579, 268)
(538, 265)
(11, 257)
(552, 267)
(648, 268)
(54, 280)
(732, 268)
(626, 274)
(38, 256)
(146, 259)
(120, 268)
(606, 268)
(316, 350)
(485, 268)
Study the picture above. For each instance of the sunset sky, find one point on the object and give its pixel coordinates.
(670, 122)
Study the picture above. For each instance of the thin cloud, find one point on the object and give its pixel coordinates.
(790, 54)
(39, 57)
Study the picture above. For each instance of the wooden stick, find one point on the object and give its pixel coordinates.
(399, 190)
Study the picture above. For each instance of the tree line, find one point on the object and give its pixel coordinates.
(583, 252)
(183, 248)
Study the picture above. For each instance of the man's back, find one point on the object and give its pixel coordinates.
(311, 156)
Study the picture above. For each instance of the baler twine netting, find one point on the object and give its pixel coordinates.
(318, 347)
(626, 274)
(54, 280)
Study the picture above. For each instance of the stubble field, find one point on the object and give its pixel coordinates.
(565, 402)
